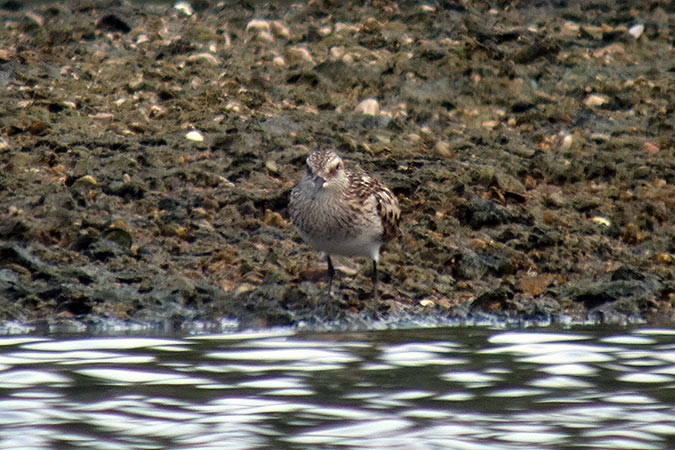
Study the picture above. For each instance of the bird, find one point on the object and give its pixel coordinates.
(343, 211)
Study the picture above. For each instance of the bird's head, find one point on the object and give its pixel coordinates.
(326, 169)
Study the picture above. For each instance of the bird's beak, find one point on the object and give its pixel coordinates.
(318, 183)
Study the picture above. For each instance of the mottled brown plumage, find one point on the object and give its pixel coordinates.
(343, 211)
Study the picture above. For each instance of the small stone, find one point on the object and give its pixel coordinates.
(650, 148)
(280, 30)
(205, 57)
(555, 199)
(664, 258)
(272, 166)
(84, 181)
(595, 100)
(279, 61)
(35, 18)
(369, 106)
(119, 225)
(427, 303)
(337, 52)
(119, 236)
(566, 142)
(371, 25)
(605, 222)
(342, 27)
(184, 8)
(507, 182)
(157, 111)
(348, 59)
(194, 136)
(274, 219)
(537, 284)
(636, 30)
(443, 149)
(257, 25)
(298, 55)
(136, 83)
(265, 37)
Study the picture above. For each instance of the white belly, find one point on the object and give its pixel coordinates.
(363, 245)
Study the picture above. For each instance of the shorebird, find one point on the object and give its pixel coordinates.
(343, 211)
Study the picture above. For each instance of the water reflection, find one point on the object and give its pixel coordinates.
(436, 388)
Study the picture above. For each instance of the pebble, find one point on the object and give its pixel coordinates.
(369, 106)
(274, 219)
(566, 142)
(194, 136)
(341, 27)
(35, 18)
(136, 83)
(636, 30)
(443, 149)
(371, 25)
(205, 57)
(272, 166)
(596, 100)
(337, 52)
(555, 199)
(298, 55)
(258, 25)
(84, 181)
(265, 37)
(280, 30)
(650, 148)
(184, 8)
(601, 221)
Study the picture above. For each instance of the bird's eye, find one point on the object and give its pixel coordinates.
(334, 170)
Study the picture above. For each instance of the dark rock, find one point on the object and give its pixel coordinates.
(541, 48)
(470, 265)
(111, 22)
(15, 254)
(631, 291)
(496, 301)
(480, 213)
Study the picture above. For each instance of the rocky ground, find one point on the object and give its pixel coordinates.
(148, 151)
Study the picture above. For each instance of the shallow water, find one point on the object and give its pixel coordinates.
(460, 388)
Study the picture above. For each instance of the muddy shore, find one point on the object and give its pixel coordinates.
(148, 151)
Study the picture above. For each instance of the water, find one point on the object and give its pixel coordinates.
(456, 388)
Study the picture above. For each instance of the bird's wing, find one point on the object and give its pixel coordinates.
(364, 187)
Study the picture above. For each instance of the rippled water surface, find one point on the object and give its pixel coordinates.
(461, 388)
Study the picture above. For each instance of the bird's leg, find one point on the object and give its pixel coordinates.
(376, 293)
(331, 273)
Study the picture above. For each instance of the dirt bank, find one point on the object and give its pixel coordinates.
(148, 151)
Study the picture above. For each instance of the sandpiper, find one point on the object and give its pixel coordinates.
(343, 211)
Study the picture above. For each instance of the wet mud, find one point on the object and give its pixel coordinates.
(148, 151)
